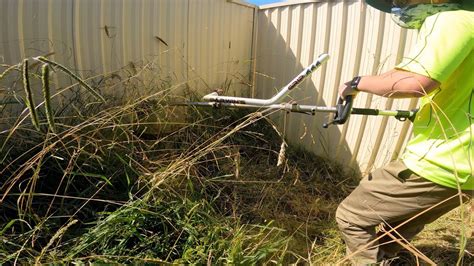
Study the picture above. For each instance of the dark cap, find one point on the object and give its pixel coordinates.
(386, 5)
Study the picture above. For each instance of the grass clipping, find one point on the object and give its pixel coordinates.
(135, 180)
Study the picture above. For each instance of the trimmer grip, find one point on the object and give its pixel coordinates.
(343, 111)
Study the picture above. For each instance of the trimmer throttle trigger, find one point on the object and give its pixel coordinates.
(343, 111)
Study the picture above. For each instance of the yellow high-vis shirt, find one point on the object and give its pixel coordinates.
(442, 147)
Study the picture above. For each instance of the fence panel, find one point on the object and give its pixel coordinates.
(360, 41)
(207, 40)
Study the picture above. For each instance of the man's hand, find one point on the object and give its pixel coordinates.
(346, 89)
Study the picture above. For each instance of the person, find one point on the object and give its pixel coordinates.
(435, 173)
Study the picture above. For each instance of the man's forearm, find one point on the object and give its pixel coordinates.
(398, 84)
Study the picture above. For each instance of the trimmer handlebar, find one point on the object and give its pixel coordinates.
(215, 97)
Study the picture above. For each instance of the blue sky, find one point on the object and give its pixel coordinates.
(263, 2)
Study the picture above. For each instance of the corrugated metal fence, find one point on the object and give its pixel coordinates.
(206, 43)
(360, 40)
(207, 40)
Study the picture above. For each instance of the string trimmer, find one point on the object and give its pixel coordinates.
(342, 110)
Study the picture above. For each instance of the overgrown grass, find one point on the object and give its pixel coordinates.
(136, 180)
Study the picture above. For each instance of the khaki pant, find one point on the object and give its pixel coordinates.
(390, 195)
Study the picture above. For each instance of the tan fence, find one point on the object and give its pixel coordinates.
(212, 42)
(207, 41)
(360, 40)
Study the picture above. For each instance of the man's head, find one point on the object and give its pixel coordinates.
(386, 5)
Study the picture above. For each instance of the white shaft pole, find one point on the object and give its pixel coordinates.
(214, 97)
